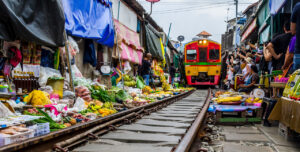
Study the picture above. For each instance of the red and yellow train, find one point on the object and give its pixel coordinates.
(202, 62)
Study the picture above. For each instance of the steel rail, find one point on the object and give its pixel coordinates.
(187, 140)
(67, 131)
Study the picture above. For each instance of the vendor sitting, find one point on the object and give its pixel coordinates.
(251, 81)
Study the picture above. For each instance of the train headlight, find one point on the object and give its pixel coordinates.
(205, 41)
(200, 42)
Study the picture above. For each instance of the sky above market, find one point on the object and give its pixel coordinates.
(190, 17)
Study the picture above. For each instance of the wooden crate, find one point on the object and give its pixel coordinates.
(239, 117)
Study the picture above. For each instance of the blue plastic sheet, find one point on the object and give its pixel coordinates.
(90, 19)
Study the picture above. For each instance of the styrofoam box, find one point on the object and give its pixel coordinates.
(9, 139)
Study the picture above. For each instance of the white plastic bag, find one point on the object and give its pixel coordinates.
(45, 73)
(4, 111)
(127, 67)
(79, 104)
(76, 72)
(74, 45)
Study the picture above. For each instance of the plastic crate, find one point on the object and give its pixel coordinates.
(40, 129)
(9, 139)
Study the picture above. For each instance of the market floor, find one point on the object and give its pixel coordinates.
(255, 138)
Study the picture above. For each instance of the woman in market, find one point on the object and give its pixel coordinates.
(247, 69)
(251, 81)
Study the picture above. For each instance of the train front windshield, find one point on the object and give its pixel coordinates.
(191, 54)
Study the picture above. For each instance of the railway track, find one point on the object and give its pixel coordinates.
(172, 128)
(171, 124)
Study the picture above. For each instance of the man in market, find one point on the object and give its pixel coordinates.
(279, 45)
(146, 68)
(172, 73)
(295, 26)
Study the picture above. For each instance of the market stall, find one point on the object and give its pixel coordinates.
(236, 108)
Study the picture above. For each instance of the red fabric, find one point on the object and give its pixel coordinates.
(17, 58)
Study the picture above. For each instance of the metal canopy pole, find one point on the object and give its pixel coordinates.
(69, 62)
(117, 45)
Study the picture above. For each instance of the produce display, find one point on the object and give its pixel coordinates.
(236, 98)
(39, 112)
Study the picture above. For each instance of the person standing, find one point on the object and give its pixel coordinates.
(146, 68)
(295, 29)
(172, 73)
(279, 45)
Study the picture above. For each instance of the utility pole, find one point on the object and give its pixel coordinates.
(236, 20)
(227, 19)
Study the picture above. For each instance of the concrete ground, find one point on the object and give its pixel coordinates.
(255, 138)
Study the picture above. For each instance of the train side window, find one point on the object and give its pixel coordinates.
(191, 54)
(214, 54)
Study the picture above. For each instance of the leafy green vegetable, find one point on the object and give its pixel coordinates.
(101, 95)
(122, 95)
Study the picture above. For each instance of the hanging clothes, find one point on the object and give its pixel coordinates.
(89, 55)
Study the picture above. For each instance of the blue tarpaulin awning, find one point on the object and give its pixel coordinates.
(90, 19)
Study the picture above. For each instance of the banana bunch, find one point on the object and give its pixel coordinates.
(229, 99)
(253, 100)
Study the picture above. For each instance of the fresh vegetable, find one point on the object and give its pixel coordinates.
(101, 95)
(122, 95)
(47, 118)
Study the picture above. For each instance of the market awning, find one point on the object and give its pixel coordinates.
(265, 35)
(250, 29)
(129, 44)
(275, 6)
(90, 19)
(36, 21)
(153, 42)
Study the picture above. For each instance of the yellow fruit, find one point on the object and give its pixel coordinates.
(73, 121)
(230, 99)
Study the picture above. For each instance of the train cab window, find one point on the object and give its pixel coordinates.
(202, 54)
(214, 54)
(191, 54)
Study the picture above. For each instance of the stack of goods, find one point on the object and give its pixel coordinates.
(83, 92)
(228, 98)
